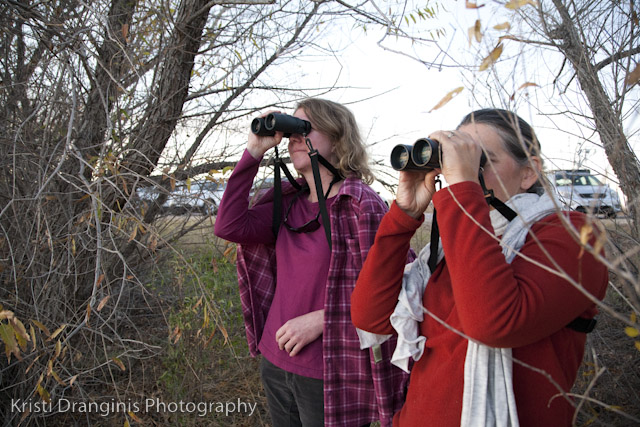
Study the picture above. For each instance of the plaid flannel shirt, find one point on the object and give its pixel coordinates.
(357, 390)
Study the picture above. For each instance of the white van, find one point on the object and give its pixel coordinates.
(582, 191)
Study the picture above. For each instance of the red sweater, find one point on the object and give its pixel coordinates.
(517, 305)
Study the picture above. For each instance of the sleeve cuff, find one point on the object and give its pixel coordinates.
(402, 219)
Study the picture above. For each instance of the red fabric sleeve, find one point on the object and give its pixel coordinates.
(380, 281)
(512, 305)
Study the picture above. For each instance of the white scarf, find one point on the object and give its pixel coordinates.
(488, 398)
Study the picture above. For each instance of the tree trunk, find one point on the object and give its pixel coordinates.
(609, 127)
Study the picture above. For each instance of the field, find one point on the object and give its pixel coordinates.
(196, 320)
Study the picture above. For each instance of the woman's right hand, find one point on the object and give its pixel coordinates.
(415, 190)
(258, 145)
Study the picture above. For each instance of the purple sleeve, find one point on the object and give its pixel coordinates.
(236, 222)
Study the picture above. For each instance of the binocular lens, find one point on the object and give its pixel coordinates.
(400, 157)
(425, 153)
(270, 121)
(258, 127)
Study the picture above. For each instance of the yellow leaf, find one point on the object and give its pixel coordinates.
(31, 365)
(470, 5)
(525, 85)
(73, 379)
(448, 97)
(475, 32)
(8, 337)
(175, 336)
(517, 4)
(188, 182)
(633, 77)
(119, 363)
(126, 423)
(32, 331)
(58, 349)
(133, 234)
(503, 26)
(42, 328)
(103, 302)
(631, 331)
(44, 394)
(57, 378)
(585, 234)
(125, 32)
(637, 344)
(6, 314)
(57, 332)
(492, 58)
(134, 417)
(633, 317)
(21, 333)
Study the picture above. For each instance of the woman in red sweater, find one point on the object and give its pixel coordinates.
(496, 329)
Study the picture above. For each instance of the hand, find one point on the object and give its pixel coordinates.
(294, 335)
(415, 190)
(460, 156)
(258, 145)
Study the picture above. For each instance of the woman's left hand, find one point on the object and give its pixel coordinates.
(460, 156)
(295, 334)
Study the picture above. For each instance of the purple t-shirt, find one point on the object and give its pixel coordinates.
(302, 261)
(302, 264)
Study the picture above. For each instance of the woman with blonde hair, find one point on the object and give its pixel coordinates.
(296, 283)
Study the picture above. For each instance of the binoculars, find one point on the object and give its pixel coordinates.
(424, 154)
(276, 122)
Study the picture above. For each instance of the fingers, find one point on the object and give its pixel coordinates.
(296, 333)
(288, 341)
(460, 154)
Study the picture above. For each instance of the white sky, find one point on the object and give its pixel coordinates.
(396, 93)
(402, 115)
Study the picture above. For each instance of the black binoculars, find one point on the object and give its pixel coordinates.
(424, 154)
(276, 122)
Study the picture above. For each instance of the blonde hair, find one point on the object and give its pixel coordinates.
(339, 124)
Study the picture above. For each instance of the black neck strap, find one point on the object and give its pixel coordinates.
(579, 324)
(316, 160)
(491, 199)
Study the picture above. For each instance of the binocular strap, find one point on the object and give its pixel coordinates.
(316, 159)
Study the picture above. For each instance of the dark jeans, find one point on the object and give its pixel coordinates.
(293, 400)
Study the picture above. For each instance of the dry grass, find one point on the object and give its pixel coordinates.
(200, 367)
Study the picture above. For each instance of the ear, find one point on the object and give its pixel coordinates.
(530, 173)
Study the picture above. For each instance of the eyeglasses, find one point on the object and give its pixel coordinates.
(310, 226)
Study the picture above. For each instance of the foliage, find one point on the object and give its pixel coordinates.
(100, 102)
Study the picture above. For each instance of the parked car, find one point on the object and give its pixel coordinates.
(199, 197)
(583, 191)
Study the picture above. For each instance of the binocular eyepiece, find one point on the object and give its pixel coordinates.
(276, 122)
(424, 154)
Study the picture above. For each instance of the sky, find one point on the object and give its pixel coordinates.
(393, 95)
(398, 92)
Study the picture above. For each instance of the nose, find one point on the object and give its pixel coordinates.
(296, 138)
